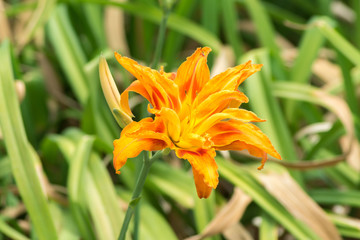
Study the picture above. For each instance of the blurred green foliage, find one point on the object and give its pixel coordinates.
(56, 180)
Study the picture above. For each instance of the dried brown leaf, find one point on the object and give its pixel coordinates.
(327, 71)
(284, 188)
(342, 11)
(37, 19)
(229, 215)
(13, 212)
(20, 90)
(237, 232)
(224, 60)
(5, 31)
(115, 29)
(339, 107)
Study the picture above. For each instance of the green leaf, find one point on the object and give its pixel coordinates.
(260, 89)
(230, 24)
(266, 34)
(268, 228)
(338, 41)
(348, 227)
(10, 232)
(77, 169)
(310, 44)
(175, 22)
(335, 196)
(246, 182)
(24, 161)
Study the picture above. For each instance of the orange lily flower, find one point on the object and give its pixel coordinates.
(194, 115)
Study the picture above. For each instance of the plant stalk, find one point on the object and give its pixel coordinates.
(161, 38)
(147, 162)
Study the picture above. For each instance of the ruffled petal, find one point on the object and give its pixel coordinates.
(172, 122)
(137, 87)
(192, 141)
(193, 74)
(217, 102)
(203, 190)
(203, 162)
(229, 113)
(138, 136)
(225, 133)
(161, 91)
(243, 115)
(229, 80)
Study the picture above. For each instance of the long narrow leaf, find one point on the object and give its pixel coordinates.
(23, 159)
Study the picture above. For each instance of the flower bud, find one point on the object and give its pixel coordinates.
(112, 94)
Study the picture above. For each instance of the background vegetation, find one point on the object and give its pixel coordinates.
(56, 176)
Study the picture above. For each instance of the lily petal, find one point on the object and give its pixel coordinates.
(203, 190)
(204, 164)
(220, 100)
(137, 87)
(161, 91)
(229, 113)
(229, 79)
(225, 133)
(193, 74)
(136, 137)
(172, 122)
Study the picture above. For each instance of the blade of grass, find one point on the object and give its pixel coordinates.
(106, 191)
(5, 167)
(94, 18)
(268, 229)
(226, 217)
(76, 176)
(267, 107)
(343, 174)
(68, 50)
(204, 212)
(10, 232)
(338, 41)
(310, 44)
(282, 15)
(175, 22)
(102, 222)
(64, 223)
(355, 5)
(210, 21)
(266, 34)
(153, 224)
(334, 196)
(18, 8)
(230, 25)
(348, 227)
(21, 154)
(96, 118)
(39, 17)
(175, 40)
(281, 186)
(349, 84)
(171, 182)
(242, 179)
(324, 7)
(97, 191)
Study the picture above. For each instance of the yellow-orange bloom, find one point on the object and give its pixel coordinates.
(194, 115)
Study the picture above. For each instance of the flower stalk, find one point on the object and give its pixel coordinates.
(147, 162)
(161, 36)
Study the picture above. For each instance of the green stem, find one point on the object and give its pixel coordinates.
(137, 191)
(161, 37)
